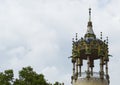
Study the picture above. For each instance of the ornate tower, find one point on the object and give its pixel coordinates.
(89, 48)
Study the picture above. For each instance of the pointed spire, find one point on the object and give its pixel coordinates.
(89, 14)
(89, 26)
(90, 22)
(90, 33)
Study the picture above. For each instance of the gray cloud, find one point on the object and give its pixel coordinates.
(39, 33)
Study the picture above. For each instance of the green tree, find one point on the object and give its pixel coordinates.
(29, 77)
(6, 77)
(57, 83)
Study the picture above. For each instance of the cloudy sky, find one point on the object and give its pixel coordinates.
(39, 33)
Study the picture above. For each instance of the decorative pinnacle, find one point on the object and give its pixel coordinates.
(89, 22)
(101, 35)
(73, 40)
(76, 36)
(89, 14)
(107, 40)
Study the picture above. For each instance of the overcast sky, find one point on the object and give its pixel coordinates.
(39, 33)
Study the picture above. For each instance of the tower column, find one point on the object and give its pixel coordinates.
(80, 70)
(88, 66)
(73, 68)
(79, 65)
(101, 67)
(106, 67)
(91, 71)
(107, 75)
(76, 74)
(73, 76)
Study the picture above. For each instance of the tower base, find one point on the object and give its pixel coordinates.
(90, 81)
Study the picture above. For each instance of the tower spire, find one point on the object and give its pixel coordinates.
(89, 14)
(90, 33)
(90, 22)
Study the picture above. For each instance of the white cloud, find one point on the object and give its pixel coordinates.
(51, 73)
(39, 33)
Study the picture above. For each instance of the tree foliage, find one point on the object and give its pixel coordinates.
(57, 83)
(6, 77)
(27, 76)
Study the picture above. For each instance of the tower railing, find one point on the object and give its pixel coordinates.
(94, 74)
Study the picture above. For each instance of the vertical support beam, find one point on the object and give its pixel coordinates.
(73, 69)
(73, 77)
(106, 67)
(79, 65)
(91, 66)
(76, 74)
(91, 71)
(101, 67)
(107, 75)
(88, 65)
(80, 70)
